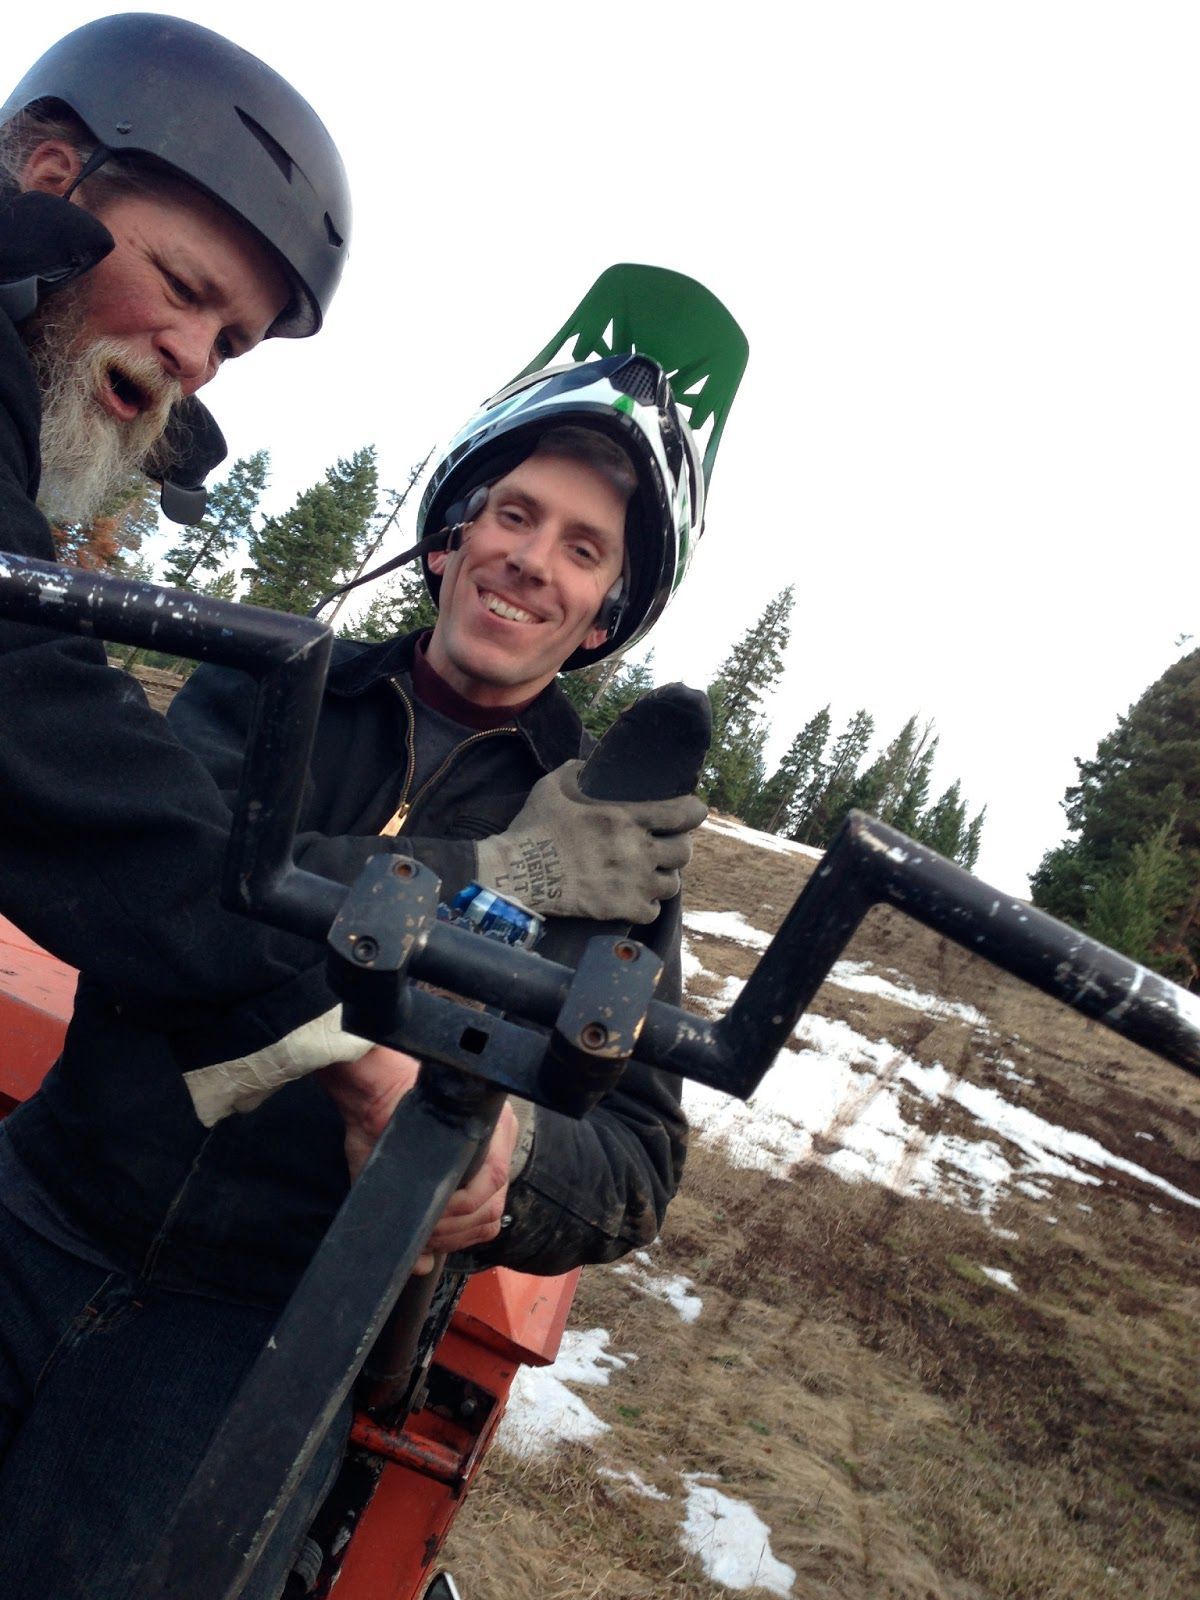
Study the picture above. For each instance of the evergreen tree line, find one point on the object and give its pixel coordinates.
(333, 531)
(1130, 876)
(820, 780)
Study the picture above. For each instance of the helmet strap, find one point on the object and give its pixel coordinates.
(93, 164)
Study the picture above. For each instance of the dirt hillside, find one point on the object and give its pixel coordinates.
(927, 1386)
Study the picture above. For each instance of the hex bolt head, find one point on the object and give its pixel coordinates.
(593, 1035)
(364, 949)
(404, 868)
(626, 950)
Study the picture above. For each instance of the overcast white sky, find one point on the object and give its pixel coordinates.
(963, 241)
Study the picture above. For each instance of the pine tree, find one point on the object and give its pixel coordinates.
(832, 800)
(600, 693)
(941, 827)
(1127, 905)
(403, 606)
(299, 556)
(734, 770)
(968, 853)
(1145, 775)
(109, 542)
(204, 548)
(776, 806)
(394, 501)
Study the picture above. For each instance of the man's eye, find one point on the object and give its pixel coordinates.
(512, 515)
(587, 552)
(177, 287)
(224, 347)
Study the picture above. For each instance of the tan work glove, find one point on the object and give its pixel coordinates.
(244, 1084)
(567, 855)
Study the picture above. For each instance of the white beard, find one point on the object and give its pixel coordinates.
(87, 454)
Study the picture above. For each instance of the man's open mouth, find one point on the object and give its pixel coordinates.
(126, 390)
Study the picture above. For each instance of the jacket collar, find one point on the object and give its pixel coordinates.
(549, 723)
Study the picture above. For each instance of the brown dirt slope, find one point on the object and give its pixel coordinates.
(906, 1426)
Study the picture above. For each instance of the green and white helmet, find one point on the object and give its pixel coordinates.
(627, 398)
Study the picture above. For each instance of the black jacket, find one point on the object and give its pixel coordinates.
(112, 835)
(239, 1210)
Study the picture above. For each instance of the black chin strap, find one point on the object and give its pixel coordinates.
(431, 542)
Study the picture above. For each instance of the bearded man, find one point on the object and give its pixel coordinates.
(171, 203)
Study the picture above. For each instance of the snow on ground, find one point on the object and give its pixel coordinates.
(765, 841)
(731, 1540)
(858, 975)
(637, 1484)
(543, 1413)
(729, 925)
(1004, 1279)
(842, 1100)
(847, 1101)
(675, 1289)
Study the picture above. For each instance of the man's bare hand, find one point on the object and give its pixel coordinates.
(366, 1092)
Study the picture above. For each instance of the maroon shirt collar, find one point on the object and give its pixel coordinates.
(433, 690)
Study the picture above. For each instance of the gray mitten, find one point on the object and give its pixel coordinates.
(567, 855)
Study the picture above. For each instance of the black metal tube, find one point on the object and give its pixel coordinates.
(1032, 945)
(288, 656)
(294, 1390)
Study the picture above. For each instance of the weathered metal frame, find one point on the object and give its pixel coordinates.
(385, 941)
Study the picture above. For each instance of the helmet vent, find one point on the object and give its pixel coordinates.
(271, 145)
(333, 235)
(639, 379)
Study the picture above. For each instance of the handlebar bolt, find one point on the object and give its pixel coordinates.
(365, 949)
(594, 1036)
(403, 868)
(626, 950)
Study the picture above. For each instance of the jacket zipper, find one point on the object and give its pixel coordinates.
(399, 817)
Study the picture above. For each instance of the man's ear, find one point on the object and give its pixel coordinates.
(593, 639)
(52, 167)
(437, 560)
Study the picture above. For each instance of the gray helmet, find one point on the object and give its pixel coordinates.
(168, 91)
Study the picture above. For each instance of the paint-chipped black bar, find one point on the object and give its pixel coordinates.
(325, 1333)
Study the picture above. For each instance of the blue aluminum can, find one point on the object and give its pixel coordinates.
(484, 911)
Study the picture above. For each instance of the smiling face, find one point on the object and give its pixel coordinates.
(522, 592)
(185, 288)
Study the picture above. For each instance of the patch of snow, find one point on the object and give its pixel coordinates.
(690, 962)
(674, 1290)
(765, 841)
(542, 1413)
(1011, 1233)
(1140, 1135)
(729, 925)
(843, 1100)
(638, 1485)
(998, 1275)
(1079, 1206)
(857, 975)
(731, 1541)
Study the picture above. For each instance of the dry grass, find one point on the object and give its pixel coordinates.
(908, 1429)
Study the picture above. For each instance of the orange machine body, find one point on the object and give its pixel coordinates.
(411, 1480)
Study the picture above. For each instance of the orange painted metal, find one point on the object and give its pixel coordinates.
(432, 1461)
(504, 1319)
(36, 996)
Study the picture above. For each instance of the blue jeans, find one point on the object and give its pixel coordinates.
(110, 1390)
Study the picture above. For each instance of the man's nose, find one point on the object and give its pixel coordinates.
(531, 553)
(187, 350)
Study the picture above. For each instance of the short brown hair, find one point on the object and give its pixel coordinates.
(594, 449)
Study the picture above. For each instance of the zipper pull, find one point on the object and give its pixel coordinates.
(394, 823)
